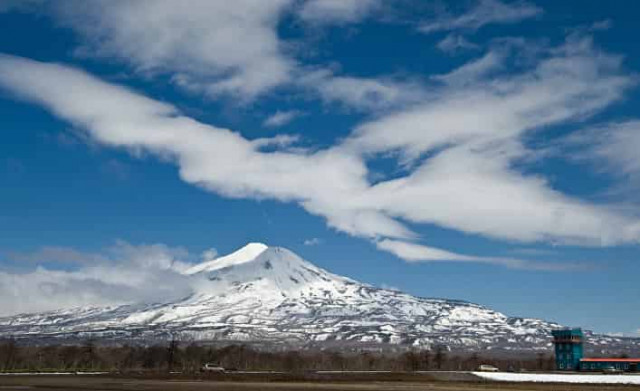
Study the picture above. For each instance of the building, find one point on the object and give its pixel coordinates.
(569, 354)
(568, 348)
(598, 364)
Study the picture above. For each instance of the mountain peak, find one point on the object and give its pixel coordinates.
(252, 247)
(264, 293)
(245, 254)
(269, 273)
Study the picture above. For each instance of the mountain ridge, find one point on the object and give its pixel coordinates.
(270, 294)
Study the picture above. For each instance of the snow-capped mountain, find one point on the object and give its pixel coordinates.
(269, 294)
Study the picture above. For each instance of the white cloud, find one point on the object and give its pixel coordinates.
(473, 189)
(474, 71)
(412, 252)
(362, 93)
(483, 13)
(574, 81)
(416, 252)
(280, 118)
(218, 48)
(278, 141)
(121, 274)
(453, 43)
(613, 146)
(472, 133)
(215, 48)
(214, 158)
(210, 46)
(336, 11)
(312, 242)
(209, 255)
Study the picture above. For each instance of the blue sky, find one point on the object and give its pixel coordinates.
(479, 150)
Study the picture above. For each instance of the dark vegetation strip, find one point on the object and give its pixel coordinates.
(188, 358)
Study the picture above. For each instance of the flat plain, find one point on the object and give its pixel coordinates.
(105, 383)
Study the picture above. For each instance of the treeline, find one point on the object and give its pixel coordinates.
(176, 357)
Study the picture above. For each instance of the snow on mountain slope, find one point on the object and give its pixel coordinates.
(261, 293)
(245, 254)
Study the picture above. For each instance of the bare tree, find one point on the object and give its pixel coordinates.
(425, 358)
(440, 357)
(411, 361)
(172, 352)
(9, 352)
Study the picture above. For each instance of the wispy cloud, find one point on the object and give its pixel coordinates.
(471, 131)
(454, 43)
(205, 46)
(121, 274)
(483, 13)
(280, 118)
(209, 254)
(474, 71)
(312, 242)
(613, 147)
(413, 252)
(366, 94)
(336, 11)
(225, 49)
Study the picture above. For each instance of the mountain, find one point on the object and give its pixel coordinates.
(271, 295)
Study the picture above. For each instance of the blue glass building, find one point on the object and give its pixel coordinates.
(568, 348)
(569, 354)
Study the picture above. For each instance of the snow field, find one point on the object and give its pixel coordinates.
(560, 378)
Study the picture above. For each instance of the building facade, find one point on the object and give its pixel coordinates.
(599, 364)
(569, 354)
(568, 348)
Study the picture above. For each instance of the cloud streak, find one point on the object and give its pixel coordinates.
(612, 147)
(336, 11)
(280, 118)
(454, 43)
(460, 144)
(483, 13)
(413, 252)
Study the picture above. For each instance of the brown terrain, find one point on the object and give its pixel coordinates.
(108, 383)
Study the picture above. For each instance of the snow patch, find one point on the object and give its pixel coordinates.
(560, 378)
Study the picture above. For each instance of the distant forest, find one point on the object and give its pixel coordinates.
(189, 358)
